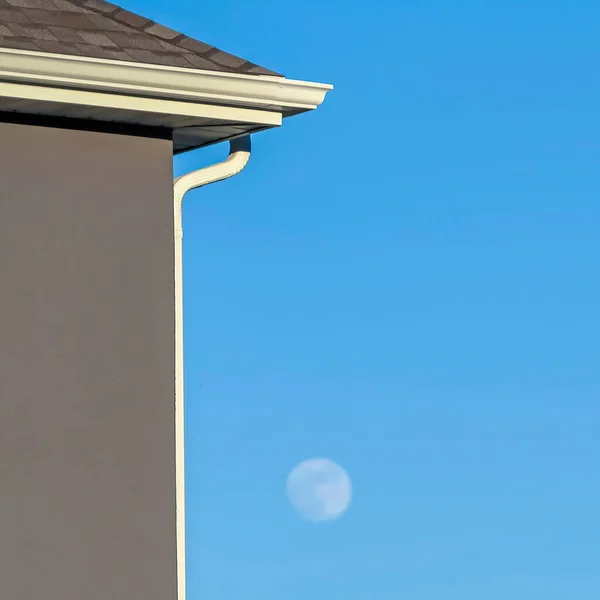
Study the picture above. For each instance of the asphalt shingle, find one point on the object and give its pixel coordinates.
(12, 16)
(100, 29)
(30, 31)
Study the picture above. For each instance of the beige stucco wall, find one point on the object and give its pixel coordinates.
(87, 473)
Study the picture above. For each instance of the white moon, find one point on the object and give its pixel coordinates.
(319, 489)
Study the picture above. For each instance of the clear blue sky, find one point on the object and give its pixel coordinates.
(406, 281)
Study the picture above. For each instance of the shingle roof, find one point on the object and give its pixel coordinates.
(99, 29)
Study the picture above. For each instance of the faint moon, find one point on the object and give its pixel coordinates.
(319, 489)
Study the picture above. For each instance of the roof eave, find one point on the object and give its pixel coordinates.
(257, 92)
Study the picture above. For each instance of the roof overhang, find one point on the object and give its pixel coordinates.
(200, 107)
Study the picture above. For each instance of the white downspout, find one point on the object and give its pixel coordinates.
(239, 154)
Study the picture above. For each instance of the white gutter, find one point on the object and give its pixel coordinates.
(239, 154)
(157, 81)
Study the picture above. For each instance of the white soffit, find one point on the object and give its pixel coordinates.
(258, 98)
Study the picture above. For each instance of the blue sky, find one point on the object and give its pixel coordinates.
(406, 281)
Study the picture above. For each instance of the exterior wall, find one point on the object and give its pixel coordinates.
(87, 438)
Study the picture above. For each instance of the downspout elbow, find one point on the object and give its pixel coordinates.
(239, 155)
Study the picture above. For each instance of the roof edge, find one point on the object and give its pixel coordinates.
(266, 92)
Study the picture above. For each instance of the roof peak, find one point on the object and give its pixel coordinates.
(100, 29)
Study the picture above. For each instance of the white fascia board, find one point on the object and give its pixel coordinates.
(75, 97)
(157, 81)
